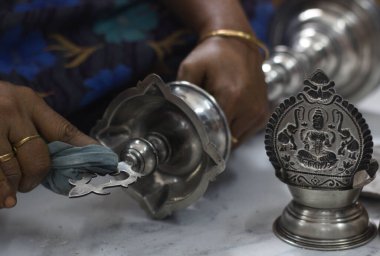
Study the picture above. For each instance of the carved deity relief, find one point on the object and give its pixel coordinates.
(316, 139)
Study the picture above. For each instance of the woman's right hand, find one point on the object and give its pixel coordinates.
(23, 113)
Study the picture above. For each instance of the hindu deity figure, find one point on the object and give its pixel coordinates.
(315, 153)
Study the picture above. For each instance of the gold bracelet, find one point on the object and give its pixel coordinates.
(238, 34)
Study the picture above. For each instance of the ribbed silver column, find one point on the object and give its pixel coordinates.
(339, 36)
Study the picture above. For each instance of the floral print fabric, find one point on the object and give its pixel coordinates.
(23, 52)
(73, 52)
(131, 25)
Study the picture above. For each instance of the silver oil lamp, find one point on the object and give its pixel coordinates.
(172, 140)
(321, 147)
(339, 35)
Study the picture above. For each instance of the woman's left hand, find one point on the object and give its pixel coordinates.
(230, 69)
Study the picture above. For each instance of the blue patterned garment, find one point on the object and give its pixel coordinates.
(74, 52)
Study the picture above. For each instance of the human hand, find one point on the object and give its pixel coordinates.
(230, 69)
(25, 114)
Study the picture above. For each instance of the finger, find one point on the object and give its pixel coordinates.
(53, 127)
(239, 127)
(191, 72)
(224, 93)
(9, 175)
(12, 172)
(32, 155)
(8, 196)
(250, 132)
(34, 160)
(249, 124)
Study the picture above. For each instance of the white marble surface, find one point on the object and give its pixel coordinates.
(233, 218)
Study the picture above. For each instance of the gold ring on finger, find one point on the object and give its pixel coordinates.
(6, 157)
(23, 141)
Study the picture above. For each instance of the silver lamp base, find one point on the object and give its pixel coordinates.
(324, 229)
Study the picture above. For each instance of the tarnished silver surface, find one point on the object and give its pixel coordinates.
(339, 35)
(175, 135)
(299, 225)
(321, 147)
(372, 117)
(373, 189)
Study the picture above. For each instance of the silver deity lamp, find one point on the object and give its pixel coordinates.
(172, 140)
(321, 147)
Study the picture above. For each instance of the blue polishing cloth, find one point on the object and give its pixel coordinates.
(70, 162)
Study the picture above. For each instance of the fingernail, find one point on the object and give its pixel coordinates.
(10, 201)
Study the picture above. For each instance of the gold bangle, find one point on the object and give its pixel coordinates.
(238, 34)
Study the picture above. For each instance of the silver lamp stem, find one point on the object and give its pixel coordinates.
(144, 154)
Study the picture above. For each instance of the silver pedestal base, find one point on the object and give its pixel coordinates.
(324, 229)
